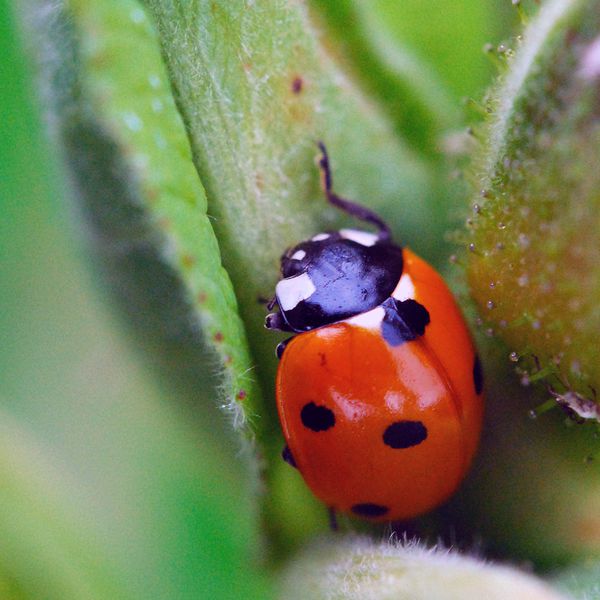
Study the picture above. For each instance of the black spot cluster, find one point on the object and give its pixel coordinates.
(399, 435)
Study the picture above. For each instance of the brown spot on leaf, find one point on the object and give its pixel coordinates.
(187, 261)
(297, 84)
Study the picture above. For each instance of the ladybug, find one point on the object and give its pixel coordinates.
(379, 391)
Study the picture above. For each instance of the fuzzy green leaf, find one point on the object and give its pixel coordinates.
(534, 265)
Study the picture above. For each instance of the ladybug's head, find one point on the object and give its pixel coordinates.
(334, 276)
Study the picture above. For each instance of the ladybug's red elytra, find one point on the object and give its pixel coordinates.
(379, 391)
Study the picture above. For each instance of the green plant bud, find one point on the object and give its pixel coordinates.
(534, 247)
(359, 569)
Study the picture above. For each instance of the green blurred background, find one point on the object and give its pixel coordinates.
(110, 486)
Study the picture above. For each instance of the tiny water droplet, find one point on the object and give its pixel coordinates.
(154, 81)
(523, 280)
(132, 121)
(513, 357)
(156, 104)
(476, 208)
(532, 414)
(137, 15)
(501, 225)
(471, 247)
(490, 304)
(525, 380)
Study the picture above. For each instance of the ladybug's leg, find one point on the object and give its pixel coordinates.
(352, 208)
(287, 455)
(333, 523)
(281, 347)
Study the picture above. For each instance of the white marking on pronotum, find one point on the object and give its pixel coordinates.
(319, 237)
(371, 319)
(364, 238)
(405, 290)
(291, 291)
(298, 255)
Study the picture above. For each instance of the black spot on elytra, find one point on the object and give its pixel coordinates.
(369, 510)
(287, 455)
(317, 418)
(477, 376)
(404, 321)
(404, 434)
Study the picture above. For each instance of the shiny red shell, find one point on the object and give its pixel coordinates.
(368, 385)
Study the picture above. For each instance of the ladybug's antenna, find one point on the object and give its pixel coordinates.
(356, 210)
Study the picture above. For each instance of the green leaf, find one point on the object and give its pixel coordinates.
(357, 568)
(419, 105)
(535, 258)
(138, 191)
(450, 38)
